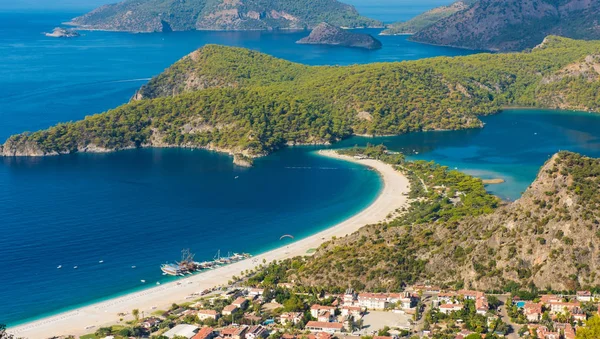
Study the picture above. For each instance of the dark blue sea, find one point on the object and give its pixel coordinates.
(141, 207)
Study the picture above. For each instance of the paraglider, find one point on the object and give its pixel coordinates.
(286, 236)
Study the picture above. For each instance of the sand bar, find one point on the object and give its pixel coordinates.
(81, 320)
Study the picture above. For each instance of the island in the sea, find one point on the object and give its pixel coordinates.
(326, 34)
(176, 15)
(60, 32)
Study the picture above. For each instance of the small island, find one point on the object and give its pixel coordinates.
(60, 32)
(326, 34)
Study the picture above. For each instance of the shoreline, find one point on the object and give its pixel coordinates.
(78, 321)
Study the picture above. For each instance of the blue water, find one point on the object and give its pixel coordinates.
(141, 207)
(512, 146)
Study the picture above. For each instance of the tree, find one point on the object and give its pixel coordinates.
(590, 331)
(136, 316)
(4, 334)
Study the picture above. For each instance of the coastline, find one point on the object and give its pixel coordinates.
(79, 321)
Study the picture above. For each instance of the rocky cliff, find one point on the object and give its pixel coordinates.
(175, 15)
(514, 25)
(326, 34)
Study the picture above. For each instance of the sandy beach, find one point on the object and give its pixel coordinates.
(89, 318)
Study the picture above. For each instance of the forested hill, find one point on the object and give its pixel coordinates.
(176, 15)
(514, 25)
(457, 235)
(245, 102)
(427, 19)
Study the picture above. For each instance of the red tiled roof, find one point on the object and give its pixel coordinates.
(321, 324)
(203, 333)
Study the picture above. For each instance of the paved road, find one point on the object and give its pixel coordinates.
(506, 319)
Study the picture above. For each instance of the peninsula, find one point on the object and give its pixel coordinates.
(250, 104)
(175, 15)
(326, 34)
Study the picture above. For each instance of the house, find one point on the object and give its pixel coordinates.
(448, 298)
(325, 317)
(205, 333)
(449, 308)
(349, 297)
(240, 302)
(470, 295)
(291, 318)
(255, 292)
(578, 314)
(257, 332)
(543, 333)
(546, 299)
(234, 332)
(561, 307)
(354, 311)
(568, 331)
(375, 301)
(584, 296)
(382, 337)
(316, 310)
(481, 304)
(317, 326)
(532, 311)
(182, 330)
(151, 322)
(208, 314)
(229, 309)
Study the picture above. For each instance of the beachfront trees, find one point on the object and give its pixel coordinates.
(136, 316)
(4, 334)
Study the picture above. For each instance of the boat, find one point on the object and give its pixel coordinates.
(101, 261)
(75, 267)
(132, 266)
(143, 281)
(171, 269)
(59, 266)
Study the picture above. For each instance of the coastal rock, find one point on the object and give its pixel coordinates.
(177, 15)
(242, 160)
(326, 34)
(60, 32)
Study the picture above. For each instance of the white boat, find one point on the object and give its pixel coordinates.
(143, 280)
(101, 261)
(132, 266)
(59, 266)
(75, 267)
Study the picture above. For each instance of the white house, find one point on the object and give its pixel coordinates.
(374, 301)
(584, 296)
(207, 314)
(449, 308)
(291, 317)
(182, 330)
(331, 328)
(316, 310)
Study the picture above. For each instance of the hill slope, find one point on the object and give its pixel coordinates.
(456, 235)
(427, 19)
(175, 15)
(514, 25)
(245, 102)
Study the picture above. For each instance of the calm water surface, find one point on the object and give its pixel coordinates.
(142, 207)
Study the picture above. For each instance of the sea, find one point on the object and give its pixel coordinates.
(119, 216)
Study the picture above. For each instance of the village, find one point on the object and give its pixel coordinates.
(422, 311)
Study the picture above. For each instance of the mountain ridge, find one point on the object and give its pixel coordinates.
(513, 25)
(174, 15)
